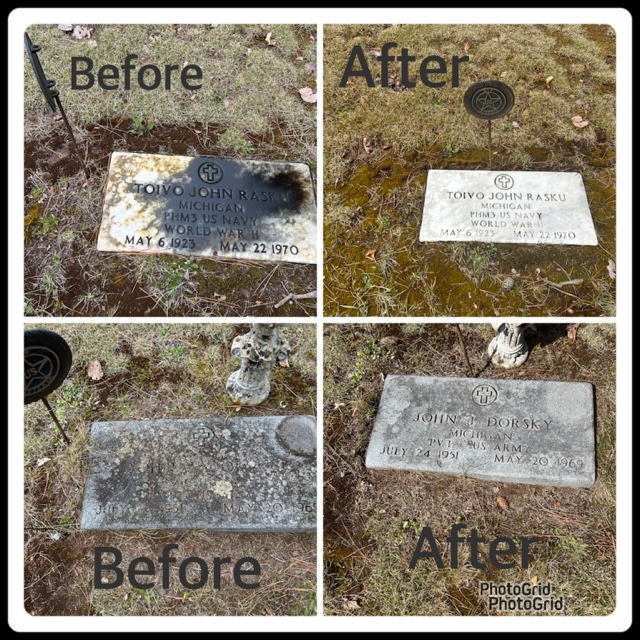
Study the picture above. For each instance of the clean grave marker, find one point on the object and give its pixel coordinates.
(526, 207)
(528, 431)
(209, 207)
(254, 474)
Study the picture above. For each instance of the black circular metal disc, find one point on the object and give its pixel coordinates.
(46, 86)
(488, 99)
(47, 360)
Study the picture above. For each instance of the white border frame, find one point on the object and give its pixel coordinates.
(619, 19)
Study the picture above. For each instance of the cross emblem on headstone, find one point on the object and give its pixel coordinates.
(484, 394)
(200, 436)
(504, 181)
(210, 172)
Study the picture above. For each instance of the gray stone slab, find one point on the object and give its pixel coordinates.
(222, 474)
(527, 207)
(533, 432)
(209, 207)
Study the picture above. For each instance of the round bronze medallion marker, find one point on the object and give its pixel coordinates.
(489, 99)
(47, 360)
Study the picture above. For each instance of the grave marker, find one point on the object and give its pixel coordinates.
(528, 431)
(253, 474)
(210, 207)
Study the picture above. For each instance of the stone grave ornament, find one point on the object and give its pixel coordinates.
(520, 207)
(509, 349)
(250, 474)
(47, 360)
(524, 431)
(51, 93)
(259, 351)
(209, 207)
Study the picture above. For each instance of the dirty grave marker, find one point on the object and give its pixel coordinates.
(527, 431)
(209, 207)
(253, 474)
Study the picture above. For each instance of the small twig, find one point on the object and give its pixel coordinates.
(295, 296)
(464, 348)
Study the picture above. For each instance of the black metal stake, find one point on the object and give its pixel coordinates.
(55, 419)
(56, 97)
(490, 153)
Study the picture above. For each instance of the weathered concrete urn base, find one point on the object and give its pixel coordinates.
(509, 349)
(259, 350)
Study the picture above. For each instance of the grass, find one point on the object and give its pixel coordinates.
(374, 201)
(248, 107)
(153, 371)
(373, 518)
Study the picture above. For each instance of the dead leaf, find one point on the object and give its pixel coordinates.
(337, 405)
(295, 554)
(572, 330)
(310, 67)
(389, 340)
(534, 580)
(386, 147)
(65, 27)
(569, 310)
(495, 489)
(264, 27)
(375, 53)
(611, 268)
(238, 408)
(579, 122)
(269, 40)
(41, 461)
(259, 302)
(351, 604)
(306, 93)
(81, 33)
(222, 298)
(556, 504)
(502, 502)
(370, 255)
(192, 97)
(366, 143)
(496, 312)
(515, 125)
(548, 81)
(467, 46)
(94, 370)
(285, 364)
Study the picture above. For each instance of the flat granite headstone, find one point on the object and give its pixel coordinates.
(253, 474)
(527, 207)
(528, 431)
(209, 207)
